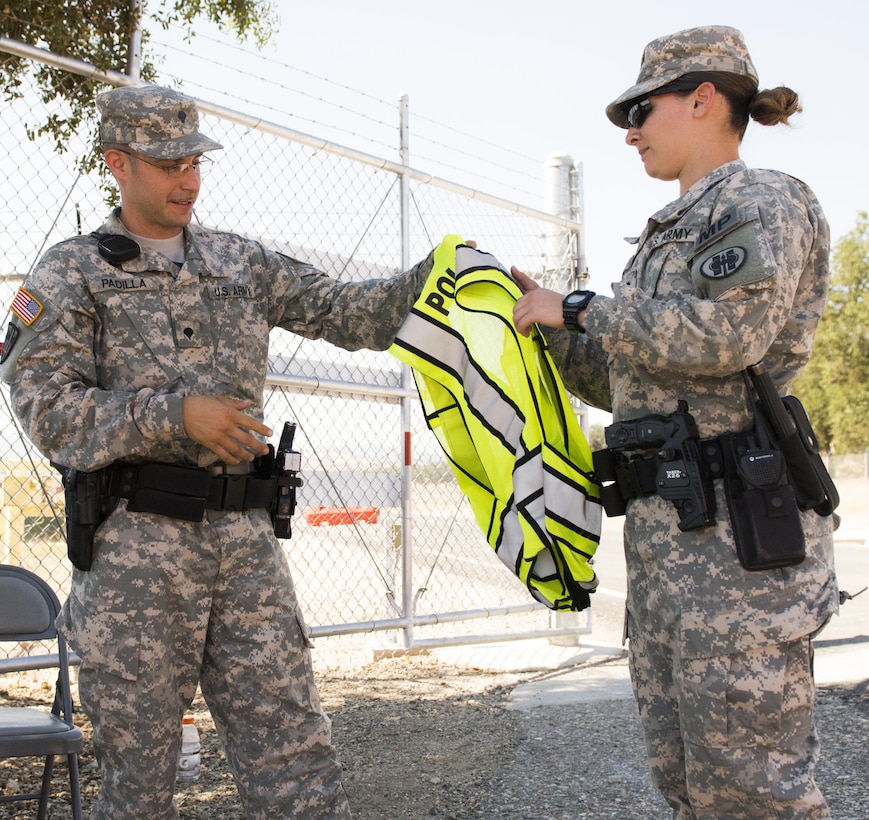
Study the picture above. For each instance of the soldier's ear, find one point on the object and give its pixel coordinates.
(119, 163)
(704, 95)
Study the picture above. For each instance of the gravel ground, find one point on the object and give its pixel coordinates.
(420, 738)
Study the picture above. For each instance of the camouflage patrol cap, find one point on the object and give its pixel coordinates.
(707, 48)
(158, 122)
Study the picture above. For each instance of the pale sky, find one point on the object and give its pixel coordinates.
(536, 78)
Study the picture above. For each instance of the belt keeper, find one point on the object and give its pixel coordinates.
(636, 478)
(126, 480)
(613, 501)
(227, 492)
(186, 507)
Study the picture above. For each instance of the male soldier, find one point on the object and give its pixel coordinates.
(145, 345)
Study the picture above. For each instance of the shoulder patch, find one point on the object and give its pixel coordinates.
(12, 334)
(14, 342)
(727, 222)
(724, 263)
(732, 252)
(26, 306)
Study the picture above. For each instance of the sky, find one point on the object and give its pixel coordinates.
(537, 77)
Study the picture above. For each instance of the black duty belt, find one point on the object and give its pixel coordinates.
(635, 475)
(186, 492)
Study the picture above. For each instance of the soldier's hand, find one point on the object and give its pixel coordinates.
(218, 423)
(536, 305)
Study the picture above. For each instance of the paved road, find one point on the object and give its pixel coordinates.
(595, 666)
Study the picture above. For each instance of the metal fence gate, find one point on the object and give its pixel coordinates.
(379, 546)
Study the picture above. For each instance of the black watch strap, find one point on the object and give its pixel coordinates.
(572, 305)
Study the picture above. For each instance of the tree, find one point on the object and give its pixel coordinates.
(100, 32)
(596, 437)
(834, 387)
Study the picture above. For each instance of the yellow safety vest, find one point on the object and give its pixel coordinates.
(499, 410)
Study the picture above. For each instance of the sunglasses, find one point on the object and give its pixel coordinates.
(639, 112)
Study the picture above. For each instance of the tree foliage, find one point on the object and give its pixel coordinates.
(834, 387)
(100, 32)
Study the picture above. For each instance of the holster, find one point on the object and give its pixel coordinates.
(88, 504)
(807, 472)
(763, 506)
(791, 432)
(285, 466)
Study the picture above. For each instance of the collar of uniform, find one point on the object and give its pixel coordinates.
(202, 259)
(678, 207)
(148, 259)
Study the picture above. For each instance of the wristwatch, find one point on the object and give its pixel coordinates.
(572, 305)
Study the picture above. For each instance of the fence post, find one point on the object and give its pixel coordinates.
(564, 270)
(406, 383)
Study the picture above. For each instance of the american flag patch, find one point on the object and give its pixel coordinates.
(26, 307)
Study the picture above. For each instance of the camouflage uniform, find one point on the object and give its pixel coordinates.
(97, 376)
(720, 657)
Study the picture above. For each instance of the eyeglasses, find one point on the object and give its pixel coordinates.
(639, 112)
(199, 166)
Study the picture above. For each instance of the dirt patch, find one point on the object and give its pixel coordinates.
(420, 738)
(408, 729)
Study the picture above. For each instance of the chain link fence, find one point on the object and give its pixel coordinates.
(378, 546)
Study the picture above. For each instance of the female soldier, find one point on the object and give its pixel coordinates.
(732, 272)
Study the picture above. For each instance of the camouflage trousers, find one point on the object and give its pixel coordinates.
(169, 605)
(721, 665)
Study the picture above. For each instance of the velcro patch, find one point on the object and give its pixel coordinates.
(732, 257)
(26, 307)
(724, 263)
(726, 223)
(12, 333)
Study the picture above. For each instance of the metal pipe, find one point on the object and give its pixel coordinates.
(427, 620)
(557, 200)
(331, 386)
(134, 57)
(407, 601)
(577, 214)
(503, 637)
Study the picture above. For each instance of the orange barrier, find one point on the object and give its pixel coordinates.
(341, 515)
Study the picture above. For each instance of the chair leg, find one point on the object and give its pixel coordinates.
(74, 789)
(46, 787)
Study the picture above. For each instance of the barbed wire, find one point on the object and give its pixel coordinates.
(265, 82)
(456, 160)
(445, 158)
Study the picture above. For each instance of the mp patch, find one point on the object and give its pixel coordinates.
(723, 263)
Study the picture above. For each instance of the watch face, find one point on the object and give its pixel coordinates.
(573, 304)
(578, 297)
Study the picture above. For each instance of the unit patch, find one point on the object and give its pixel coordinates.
(12, 334)
(732, 252)
(26, 307)
(723, 263)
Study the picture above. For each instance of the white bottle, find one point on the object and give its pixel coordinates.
(189, 761)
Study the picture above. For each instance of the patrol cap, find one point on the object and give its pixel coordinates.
(706, 48)
(158, 122)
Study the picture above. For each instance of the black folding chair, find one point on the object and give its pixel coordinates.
(28, 608)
